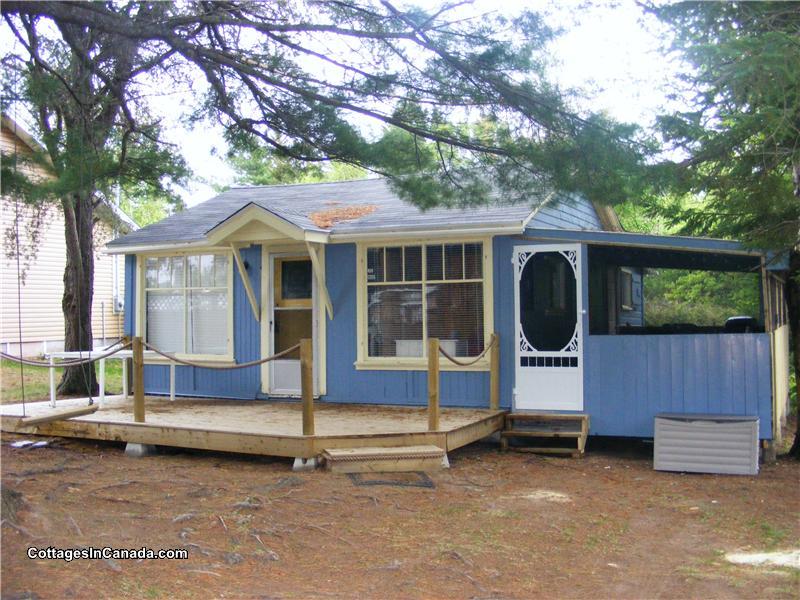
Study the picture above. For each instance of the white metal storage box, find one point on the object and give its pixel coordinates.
(701, 443)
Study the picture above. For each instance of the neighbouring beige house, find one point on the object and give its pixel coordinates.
(41, 288)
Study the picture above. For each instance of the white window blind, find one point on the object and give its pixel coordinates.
(422, 291)
(186, 299)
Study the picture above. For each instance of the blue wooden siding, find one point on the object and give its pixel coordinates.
(631, 378)
(129, 317)
(346, 384)
(575, 213)
(238, 383)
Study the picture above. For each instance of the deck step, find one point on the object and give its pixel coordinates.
(385, 459)
(534, 433)
(543, 427)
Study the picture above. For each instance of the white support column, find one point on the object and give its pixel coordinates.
(102, 382)
(172, 382)
(125, 378)
(52, 383)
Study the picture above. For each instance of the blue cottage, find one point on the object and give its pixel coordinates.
(370, 278)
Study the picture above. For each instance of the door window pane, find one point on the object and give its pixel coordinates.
(548, 301)
(296, 279)
(290, 327)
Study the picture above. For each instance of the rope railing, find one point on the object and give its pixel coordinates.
(463, 363)
(189, 363)
(69, 362)
(306, 375)
(435, 349)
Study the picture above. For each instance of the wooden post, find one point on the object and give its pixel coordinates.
(52, 381)
(433, 384)
(494, 373)
(766, 295)
(102, 383)
(138, 380)
(307, 385)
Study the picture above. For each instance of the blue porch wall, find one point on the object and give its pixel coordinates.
(631, 378)
(457, 388)
(191, 381)
(128, 321)
(347, 384)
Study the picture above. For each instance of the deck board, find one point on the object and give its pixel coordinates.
(259, 427)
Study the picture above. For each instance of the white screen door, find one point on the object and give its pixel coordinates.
(548, 312)
(292, 319)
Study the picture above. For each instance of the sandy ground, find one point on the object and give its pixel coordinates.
(492, 526)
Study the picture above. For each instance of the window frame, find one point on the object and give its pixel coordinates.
(141, 299)
(405, 363)
(626, 285)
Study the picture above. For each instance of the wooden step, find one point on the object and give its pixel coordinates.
(534, 433)
(546, 416)
(384, 460)
(541, 426)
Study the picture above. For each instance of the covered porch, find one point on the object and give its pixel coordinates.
(638, 366)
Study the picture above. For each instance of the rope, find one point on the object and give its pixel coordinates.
(114, 343)
(189, 363)
(462, 363)
(70, 362)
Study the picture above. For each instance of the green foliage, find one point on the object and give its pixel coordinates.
(468, 94)
(699, 297)
(741, 134)
(260, 166)
(146, 205)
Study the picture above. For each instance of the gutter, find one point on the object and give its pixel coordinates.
(386, 233)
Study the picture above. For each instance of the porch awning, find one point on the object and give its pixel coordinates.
(678, 252)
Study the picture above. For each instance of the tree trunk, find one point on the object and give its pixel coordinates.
(793, 298)
(78, 292)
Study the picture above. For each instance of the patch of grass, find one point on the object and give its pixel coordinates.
(772, 535)
(154, 592)
(37, 381)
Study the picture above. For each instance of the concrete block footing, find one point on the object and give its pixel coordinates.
(305, 464)
(139, 450)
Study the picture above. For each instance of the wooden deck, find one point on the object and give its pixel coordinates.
(259, 427)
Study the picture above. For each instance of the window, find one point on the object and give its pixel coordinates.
(416, 292)
(186, 303)
(625, 289)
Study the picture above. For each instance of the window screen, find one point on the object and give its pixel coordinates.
(416, 292)
(186, 300)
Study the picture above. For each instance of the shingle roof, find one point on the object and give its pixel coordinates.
(295, 204)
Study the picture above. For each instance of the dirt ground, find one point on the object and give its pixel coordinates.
(492, 526)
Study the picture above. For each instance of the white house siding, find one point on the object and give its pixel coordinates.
(41, 293)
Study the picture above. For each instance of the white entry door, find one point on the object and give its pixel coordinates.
(291, 319)
(549, 333)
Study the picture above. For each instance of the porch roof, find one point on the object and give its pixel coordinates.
(646, 250)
